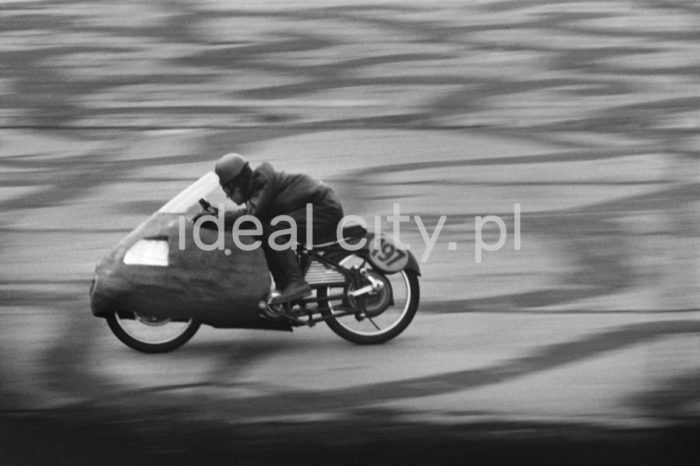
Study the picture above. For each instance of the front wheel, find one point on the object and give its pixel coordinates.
(150, 334)
(388, 311)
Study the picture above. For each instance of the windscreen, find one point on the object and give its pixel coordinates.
(187, 201)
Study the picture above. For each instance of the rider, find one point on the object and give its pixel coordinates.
(268, 193)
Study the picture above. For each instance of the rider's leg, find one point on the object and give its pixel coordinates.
(326, 214)
(284, 266)
(288, 278)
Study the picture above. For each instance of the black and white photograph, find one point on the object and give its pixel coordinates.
(350, 232)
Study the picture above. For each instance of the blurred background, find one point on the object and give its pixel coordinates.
(585, 113)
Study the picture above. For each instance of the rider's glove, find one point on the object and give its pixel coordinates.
(213, 211)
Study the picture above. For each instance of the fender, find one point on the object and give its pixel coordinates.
(394, 257)
(413, 264)
(370, 253)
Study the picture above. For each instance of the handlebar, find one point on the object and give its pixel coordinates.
(205, 204)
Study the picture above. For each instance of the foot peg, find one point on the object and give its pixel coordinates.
(295, 290)
(278, 306)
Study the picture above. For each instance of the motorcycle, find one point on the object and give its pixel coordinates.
(166, 278)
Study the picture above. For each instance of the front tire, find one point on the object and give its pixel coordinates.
(150, 334)
(387, 315)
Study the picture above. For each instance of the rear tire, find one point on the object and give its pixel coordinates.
(128, 333)
(346, 326)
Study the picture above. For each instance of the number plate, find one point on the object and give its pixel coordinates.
(386, 256)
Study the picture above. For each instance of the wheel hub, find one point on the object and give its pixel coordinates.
(152, 321)
(375, 302)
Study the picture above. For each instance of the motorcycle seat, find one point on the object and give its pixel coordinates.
(350, 233)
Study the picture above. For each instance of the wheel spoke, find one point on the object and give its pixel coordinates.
(384, 310)
(153, 331)
(140, 333)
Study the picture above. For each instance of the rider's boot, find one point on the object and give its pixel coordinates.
(288, 278)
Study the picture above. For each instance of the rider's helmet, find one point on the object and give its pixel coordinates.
(229, 167)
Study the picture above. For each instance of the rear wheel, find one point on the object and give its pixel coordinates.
(150, 334)
(388, 311)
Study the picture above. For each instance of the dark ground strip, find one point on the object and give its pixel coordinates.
(66, 439)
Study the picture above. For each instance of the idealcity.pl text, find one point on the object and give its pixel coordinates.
(284, 235)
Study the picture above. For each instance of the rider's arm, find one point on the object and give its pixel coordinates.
(230, 216)
(262, 196)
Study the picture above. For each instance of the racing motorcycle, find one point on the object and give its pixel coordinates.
(166, 278)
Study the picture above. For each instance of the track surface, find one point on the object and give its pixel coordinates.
(583, 113)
